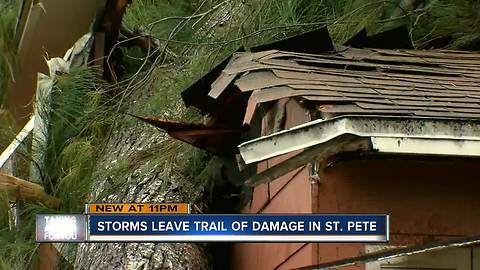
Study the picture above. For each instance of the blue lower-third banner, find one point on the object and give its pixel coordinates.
(238, 228)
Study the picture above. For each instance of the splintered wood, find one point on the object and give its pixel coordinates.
(22, 190)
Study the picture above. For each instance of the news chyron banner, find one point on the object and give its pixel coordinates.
(175, 223)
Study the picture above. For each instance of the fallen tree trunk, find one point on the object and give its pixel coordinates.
(132, 169)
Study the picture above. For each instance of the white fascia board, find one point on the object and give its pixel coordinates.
(320, 131)
(426, 146)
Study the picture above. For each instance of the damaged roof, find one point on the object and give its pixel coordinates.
(434, 83)
(334, 81)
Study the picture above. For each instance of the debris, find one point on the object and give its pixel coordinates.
(19, 189)
(216, 140)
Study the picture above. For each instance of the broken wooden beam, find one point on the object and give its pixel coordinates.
(144, 41)
(111, 25)
(19, 189)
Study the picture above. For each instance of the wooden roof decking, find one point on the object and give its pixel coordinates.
(434, 83)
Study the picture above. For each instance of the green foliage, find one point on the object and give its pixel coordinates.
(17, 246)
(7, 44)
(78, 116)
(142, 14)
(193, 36)
(456, 22)
(77, 161)
(7, 132)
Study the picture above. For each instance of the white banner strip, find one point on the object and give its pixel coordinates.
(237, 238)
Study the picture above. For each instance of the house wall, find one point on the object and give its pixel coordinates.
(466, 258)
(427, 200)
(290, 193)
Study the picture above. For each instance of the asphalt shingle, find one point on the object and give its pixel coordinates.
(433, 83)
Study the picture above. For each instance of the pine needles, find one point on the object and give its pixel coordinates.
(193, 36)
(452, 24)
(7, 45)
(17, 245)
(77, 126)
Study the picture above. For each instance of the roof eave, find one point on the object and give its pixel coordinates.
(388, 134)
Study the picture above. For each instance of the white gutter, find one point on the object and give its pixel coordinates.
(459, 137)
(21, 136)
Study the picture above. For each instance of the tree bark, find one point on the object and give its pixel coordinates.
(124, 175)
(131, 169)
